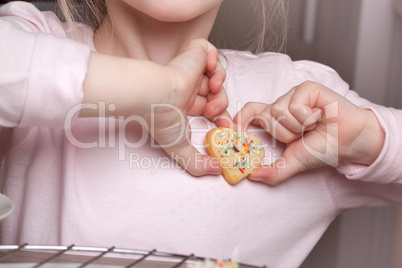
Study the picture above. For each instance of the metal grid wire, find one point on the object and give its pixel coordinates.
(42, 255)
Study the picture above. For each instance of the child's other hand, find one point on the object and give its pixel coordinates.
(211, 99)
(197, 78)
(319, 128)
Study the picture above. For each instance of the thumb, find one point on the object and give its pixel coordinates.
(281, 170)
(195, 163)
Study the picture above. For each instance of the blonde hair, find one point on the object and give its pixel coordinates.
(266, 22)
(89, 12)
(254, 25)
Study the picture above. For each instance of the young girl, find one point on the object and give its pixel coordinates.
(104, 181)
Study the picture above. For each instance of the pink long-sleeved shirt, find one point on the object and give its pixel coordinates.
(101, 182)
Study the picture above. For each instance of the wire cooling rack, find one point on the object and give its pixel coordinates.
(75, 256)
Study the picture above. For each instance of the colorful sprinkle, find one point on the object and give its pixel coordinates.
(238, 146)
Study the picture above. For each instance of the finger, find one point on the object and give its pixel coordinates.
(310, 100)
(259, 114)
(204, 87)
(279, 131)
(212, 54)
(224, 120)
(217, 104)
(175, 139)
(309, 152)
(278, 172)
(209, 49)
(193, 60)
(196, 101)
(249, 114)
(196, 163)
(304, 114)
(280, 111)
(216, 78)
(197, 107)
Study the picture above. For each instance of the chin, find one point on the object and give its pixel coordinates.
(170, 18)
(174, 15)
(174, 10)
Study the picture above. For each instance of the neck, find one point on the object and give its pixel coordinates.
(127, 32)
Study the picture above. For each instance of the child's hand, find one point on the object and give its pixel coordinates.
(211, 99)
(197, 78)
(163, 96)
(319, 128)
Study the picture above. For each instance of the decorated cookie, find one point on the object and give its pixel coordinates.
(238, 153)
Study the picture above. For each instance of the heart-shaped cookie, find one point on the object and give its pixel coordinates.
(238, 153)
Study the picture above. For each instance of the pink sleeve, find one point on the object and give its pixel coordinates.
(388, 166)
(41, 70)
(380, 183)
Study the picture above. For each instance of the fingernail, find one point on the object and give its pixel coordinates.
(217, 110)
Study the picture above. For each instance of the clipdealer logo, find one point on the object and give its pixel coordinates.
(329, 155)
